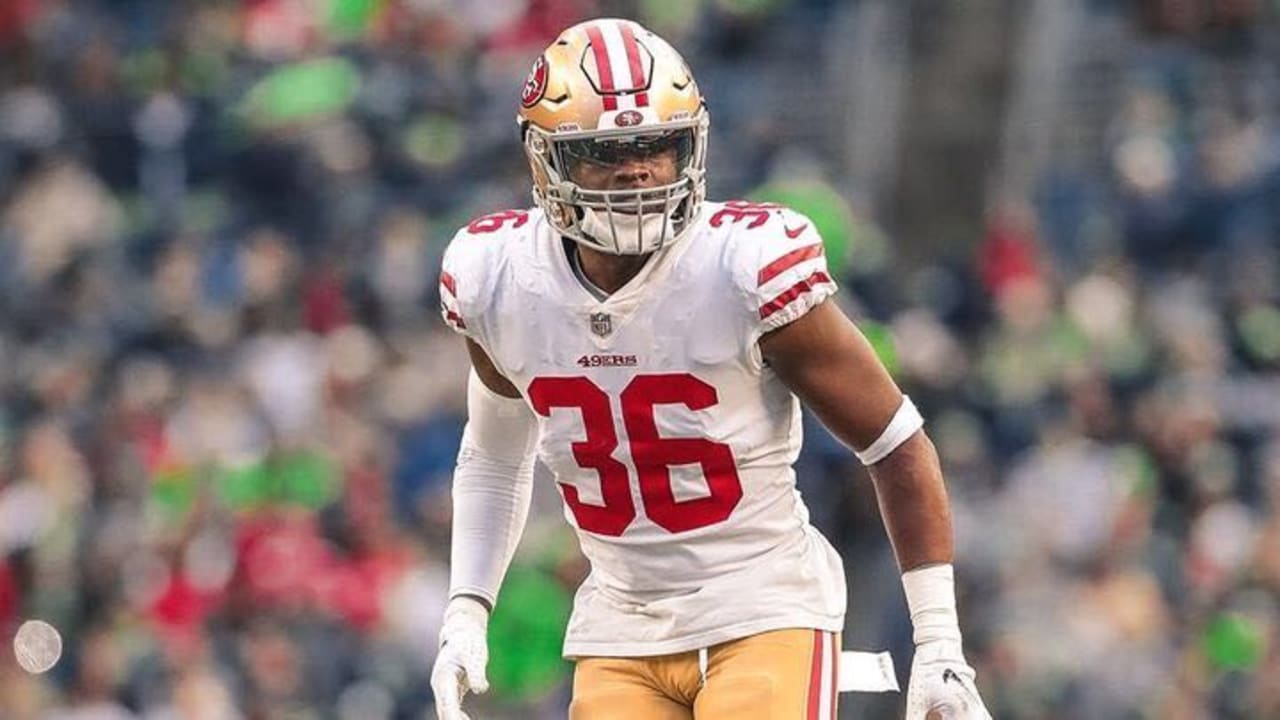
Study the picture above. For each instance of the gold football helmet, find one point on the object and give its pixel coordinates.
(605, 90)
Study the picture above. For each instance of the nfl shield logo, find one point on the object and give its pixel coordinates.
(601, 324)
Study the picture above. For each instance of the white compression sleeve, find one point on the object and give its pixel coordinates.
(491, 488)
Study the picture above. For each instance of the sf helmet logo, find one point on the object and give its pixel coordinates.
(535, 86)
(628, 118)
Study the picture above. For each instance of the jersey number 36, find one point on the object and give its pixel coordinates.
(652, 454)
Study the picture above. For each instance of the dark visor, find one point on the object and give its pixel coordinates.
(612, 151)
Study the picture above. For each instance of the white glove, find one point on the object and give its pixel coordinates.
(464, 652)
(941, 686)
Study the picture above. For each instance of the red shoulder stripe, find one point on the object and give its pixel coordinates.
(447, 280)
(788, 261)
(790, 294)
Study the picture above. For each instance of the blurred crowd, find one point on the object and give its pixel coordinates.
(229, 411)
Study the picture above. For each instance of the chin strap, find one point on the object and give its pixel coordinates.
(623, 234)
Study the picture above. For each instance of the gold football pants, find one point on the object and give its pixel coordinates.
(779, 675)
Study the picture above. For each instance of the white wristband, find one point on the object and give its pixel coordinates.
(905, 422)
(931, 599)
(467, 607)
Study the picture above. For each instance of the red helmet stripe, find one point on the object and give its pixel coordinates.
(603, 68)
(638, 80)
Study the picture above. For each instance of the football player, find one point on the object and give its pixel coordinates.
(650, 348)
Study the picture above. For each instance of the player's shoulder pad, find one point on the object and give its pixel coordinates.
(473, 261)
(777, 259)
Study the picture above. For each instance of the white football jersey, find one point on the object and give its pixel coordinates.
(670, 440)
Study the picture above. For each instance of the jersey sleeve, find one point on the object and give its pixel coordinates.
(463, 280)
(781, 270)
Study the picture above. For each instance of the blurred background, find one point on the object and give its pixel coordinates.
(229, 409)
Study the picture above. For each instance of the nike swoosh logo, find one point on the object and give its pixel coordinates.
(793, 234)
